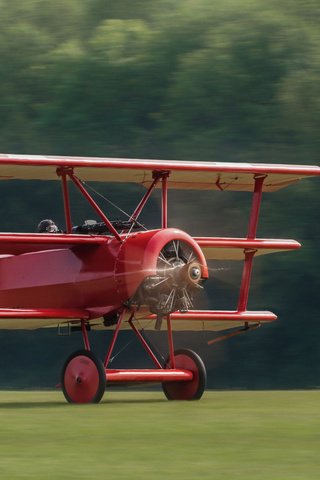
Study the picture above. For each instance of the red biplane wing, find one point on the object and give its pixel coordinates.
(183, 174)
(204, 320)
(19, 243)
(29, 319)
(235, 248)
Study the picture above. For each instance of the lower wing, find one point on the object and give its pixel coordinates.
(31, 319)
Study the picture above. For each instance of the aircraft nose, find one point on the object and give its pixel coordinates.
(194, 272)
(187, 274)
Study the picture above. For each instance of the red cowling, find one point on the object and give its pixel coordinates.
(145, 261)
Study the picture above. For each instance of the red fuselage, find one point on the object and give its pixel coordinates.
(97, 278)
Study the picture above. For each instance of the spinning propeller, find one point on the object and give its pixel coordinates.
(178, 278)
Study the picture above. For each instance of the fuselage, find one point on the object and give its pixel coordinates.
(97, 278)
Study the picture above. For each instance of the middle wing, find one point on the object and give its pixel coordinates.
(18, 243)
(218, 248)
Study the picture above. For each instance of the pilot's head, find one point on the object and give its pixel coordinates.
(47, 226)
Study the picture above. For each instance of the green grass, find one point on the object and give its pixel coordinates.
(137, 435)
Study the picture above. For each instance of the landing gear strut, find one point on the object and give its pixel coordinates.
(84, 376)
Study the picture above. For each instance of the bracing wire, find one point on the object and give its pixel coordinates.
(142, 331)
(147, 337)
(122, 349)
(104, 198)
(89, 187)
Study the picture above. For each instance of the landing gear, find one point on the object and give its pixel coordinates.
(83, 378)
(193, 389)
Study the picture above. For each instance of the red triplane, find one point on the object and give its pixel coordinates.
(116, 274)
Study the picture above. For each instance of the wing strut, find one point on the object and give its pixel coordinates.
(164, 178)
(66, 172)
(69, 171)
(249, 254)
(163, 175)
(142, 203)
(240, 331)
(66, 201)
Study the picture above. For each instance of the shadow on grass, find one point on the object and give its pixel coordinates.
(25, 404)
(141, 401)
(62, 403)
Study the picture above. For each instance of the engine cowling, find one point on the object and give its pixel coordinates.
(161, 270)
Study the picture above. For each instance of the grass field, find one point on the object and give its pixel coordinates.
(137, 435)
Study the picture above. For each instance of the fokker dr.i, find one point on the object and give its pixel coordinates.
(118, 275)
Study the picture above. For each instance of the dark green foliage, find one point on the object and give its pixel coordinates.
(208, 80)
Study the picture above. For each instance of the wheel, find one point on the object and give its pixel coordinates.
(83, 378)
(191, 390)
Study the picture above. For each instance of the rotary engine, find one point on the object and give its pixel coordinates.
(159, 269)
(180, 271)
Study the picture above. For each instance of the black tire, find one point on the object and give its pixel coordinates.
(83, 378)
(191, 390)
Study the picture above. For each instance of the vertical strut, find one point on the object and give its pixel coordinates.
(66, 202)
(245, 281)
(165, 201)
(255, 207)
(85, 335)
(170, 342)
(249, 254)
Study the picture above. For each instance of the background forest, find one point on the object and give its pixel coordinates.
(220, 80)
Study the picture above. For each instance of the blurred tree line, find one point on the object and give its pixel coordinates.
(205, 79)
(220, 80)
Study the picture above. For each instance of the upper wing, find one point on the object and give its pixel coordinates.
(183, 174)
